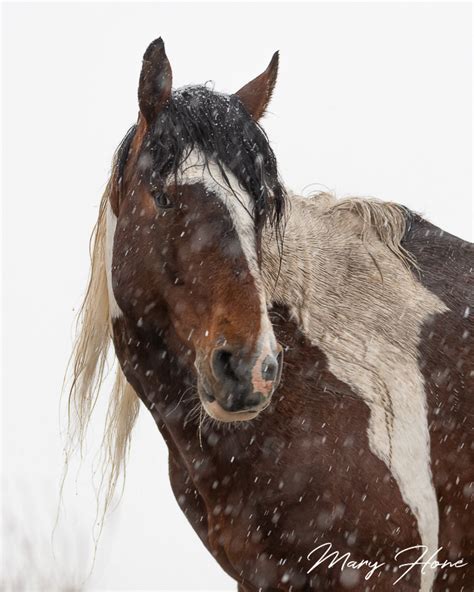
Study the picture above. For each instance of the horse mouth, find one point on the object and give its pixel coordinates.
(215, 410)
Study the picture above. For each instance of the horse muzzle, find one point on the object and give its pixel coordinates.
(236, 386)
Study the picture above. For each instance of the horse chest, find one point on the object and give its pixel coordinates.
(261, 515)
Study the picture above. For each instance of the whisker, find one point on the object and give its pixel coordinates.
(200, 427)
(180, 399)
(193, 413)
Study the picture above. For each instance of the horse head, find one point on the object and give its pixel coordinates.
(194, 185)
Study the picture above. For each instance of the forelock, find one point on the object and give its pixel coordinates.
(222, 131)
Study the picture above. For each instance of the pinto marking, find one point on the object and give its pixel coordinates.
(343, 318)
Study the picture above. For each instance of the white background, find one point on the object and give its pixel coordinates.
(372, 99)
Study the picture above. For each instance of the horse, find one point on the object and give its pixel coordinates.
(308, 360)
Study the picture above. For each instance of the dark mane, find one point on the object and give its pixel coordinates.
(219, 127)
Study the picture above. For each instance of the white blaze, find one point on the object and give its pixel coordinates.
(240, 207)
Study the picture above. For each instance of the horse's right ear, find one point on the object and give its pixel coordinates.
(154, 89)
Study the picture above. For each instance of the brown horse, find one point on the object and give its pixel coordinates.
(349, 465)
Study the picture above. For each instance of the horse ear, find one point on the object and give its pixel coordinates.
(256, 94)
(154, 88)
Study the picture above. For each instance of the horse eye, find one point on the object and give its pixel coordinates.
(162, 200)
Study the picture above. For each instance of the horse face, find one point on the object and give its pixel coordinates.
(185, 264)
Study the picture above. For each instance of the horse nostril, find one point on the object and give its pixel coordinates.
(222, 364)
(270, 368)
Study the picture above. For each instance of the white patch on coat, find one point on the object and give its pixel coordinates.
(111, 225)
(368, 326)
(240, 207)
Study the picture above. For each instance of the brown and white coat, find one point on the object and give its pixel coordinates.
(365, 442)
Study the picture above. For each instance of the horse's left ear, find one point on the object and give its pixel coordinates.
(256, 94)
(154, 88)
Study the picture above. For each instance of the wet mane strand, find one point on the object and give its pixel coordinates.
(88, 365)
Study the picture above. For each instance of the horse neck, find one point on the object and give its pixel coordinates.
(337, 270)
(299, 268)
